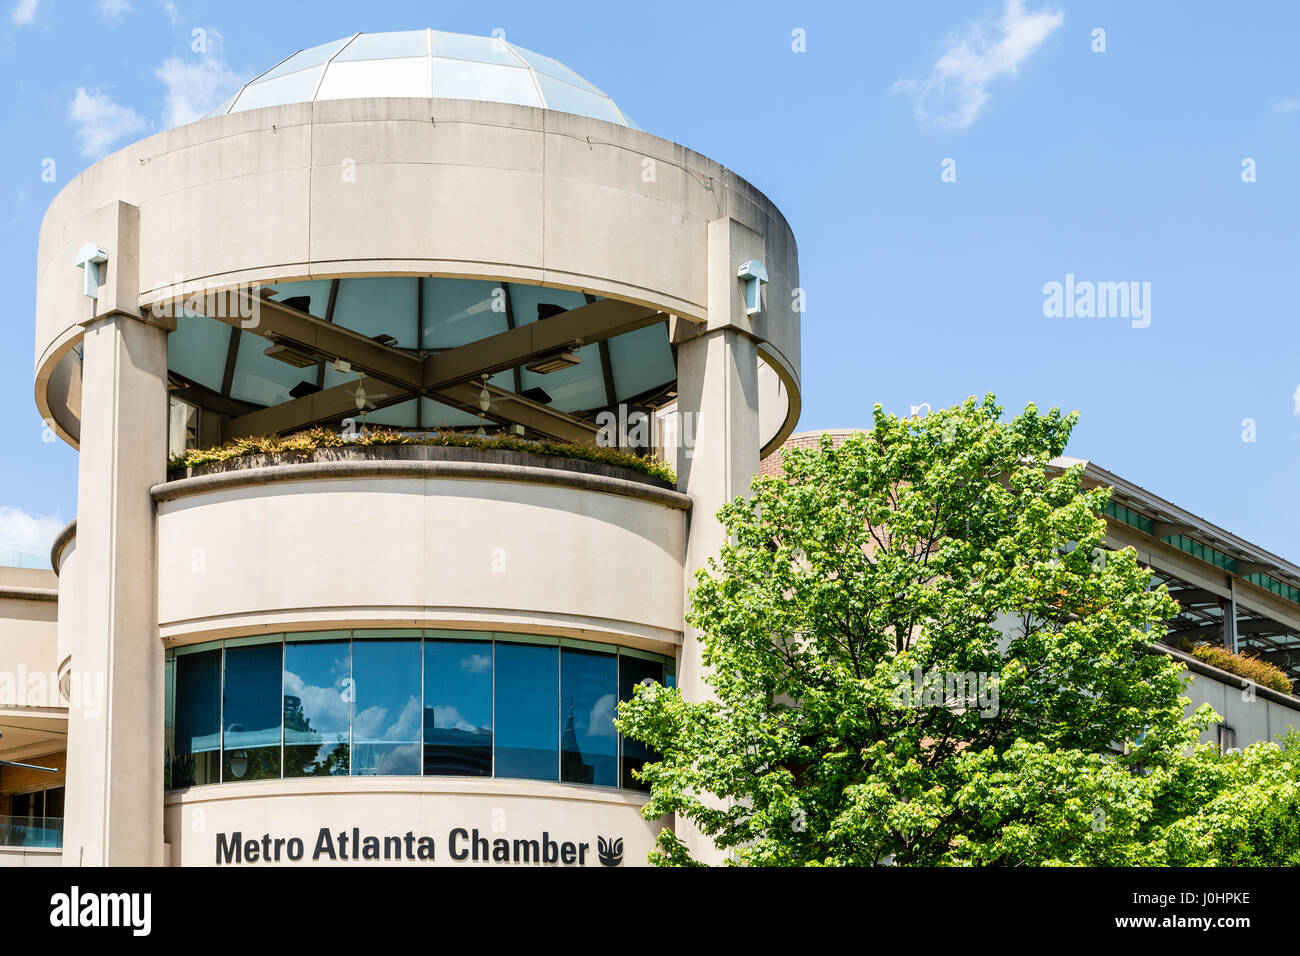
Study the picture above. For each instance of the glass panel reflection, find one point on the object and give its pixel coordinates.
(632, 670)
(317, 679)
(588, 697)
(527, 724)
(404, 702)
(458, 708)
(198, 719)
(386, 711)
(251, 742)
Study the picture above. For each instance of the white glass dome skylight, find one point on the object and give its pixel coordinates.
(425, 63)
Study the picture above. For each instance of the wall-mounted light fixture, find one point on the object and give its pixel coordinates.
(754, 274)
(89, 258)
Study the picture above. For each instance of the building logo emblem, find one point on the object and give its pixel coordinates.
(609, 851)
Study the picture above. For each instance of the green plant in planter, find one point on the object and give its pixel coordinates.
(1243, 665)
(305, 442)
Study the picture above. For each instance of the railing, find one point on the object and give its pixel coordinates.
(24, 558)
(45, 832)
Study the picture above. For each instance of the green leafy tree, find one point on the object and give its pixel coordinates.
(1247, 812)
(922, 654)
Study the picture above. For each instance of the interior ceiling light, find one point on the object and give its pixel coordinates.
(385, 339)
(554, 362)
(290, 355)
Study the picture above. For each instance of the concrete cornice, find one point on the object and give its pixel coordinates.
(61, 541)
(27, 594)
(415, 468)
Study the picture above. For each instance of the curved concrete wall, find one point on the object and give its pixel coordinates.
(431, 807)
(400, 186)
(29, 643)
(289, 554)
(68, 607)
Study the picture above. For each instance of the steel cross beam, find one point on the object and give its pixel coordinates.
(511, 409)
(439, 373)
(279, 323)
(584, 325)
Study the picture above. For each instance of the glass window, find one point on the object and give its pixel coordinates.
(588, 698)
(346, 81)
(292, 88)
(378, 46)
(386, 715)
(464, 47)
(316, 292)
(467, 80)
(313, 56)
(401, 415)
(549, 67)
(379, 306)
(633, 669)
(251, 742)
(182, 426)
(317, 693)
(641, 361)
(437, 415)
(386, 702)
(526, 711)
(566, 98)
(572, 389)
(198, 349)
(524, 300)
(261, 379)
(458, 707)
(198, 719)
(459, 311)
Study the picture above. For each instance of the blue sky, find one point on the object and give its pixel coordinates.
(1115, 166)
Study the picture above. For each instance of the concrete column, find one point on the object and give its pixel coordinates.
(717, 388)
(114, 793)
(717, 376)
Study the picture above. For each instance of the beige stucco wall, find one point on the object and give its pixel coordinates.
(390, 806)
(28, 620)
(386, 186)
(513, 554)
(33, 714)
(11, 856)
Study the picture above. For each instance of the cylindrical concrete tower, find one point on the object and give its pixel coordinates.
(392, 225)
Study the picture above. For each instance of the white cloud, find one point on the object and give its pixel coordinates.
(25, 11)
(956, 91)
(18, 529)
(1288, 105)
(101, 122)
(172, 13)
(1296, 399)
(196, 84)
(114, 9)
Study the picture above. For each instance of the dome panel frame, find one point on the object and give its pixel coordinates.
(488, 69)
